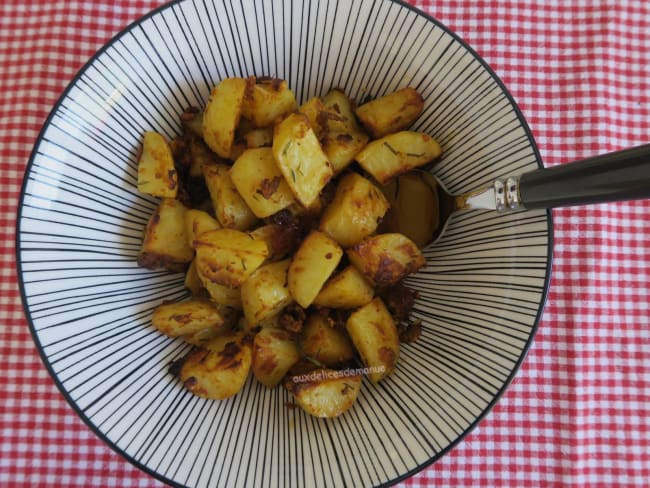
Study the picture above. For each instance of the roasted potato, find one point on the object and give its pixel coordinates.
(201, 154)
(221, 294)
(347, 289)
(265, 293)
(397, 153)
(156, 171)
(197, 222)
(192, 280)
(259, 138)
(281, 240)
(230, 208)
(342, 147)
(222, 113)
(314, 261)
(228, 257)
(274, 353)
(300, 158)
(268, 100)
(313, 109)
(323, 343)
(386, 259)
(375, 336)
(219, 369)
(186, 317)
(324, 392)
(260, 183)
(165, 243)
(355, 211)
(339, 117)
(391, 113)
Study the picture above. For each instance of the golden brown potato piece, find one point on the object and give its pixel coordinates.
(280, 239)
(314, 261)
(259, 138)
(274, 353)
(355, 211)
(221, 294)
(201, 154)
(386, 259)
(228, 257)
(391, 113)
(197, 222)
(324, 392)
(397, 153)
(374, 335)
(192, 280)
(323, 343)
(230, 208)
(222, 113)
(342, 147)
(260, 183)
(313, 109)
(220, 368)
(265, 292)
(340, 116)
(300, 158)
(267, 101)
(165, 243)
(156, 172)
(347, 289)
(186, 317)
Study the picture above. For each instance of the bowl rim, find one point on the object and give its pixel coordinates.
(23, 295)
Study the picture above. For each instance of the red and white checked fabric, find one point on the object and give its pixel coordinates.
(578, 412)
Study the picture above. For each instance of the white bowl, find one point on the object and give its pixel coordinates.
(88, 303)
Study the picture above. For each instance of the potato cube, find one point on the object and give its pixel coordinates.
(339, 117)
(300, 158)
(342, 147)
(397, 153)
(324, 392)
(313, 262)
(374, 335)
(313, 108)
(323, 343)
(281, 240)
(355, 211)
(274, 353)
(221, 294)
(219, 369)
(386, 259)
(186, 317)
(222, 113)
(156, 172)
(193, 281)
(197, 222)
(260, 183)
(265, 292)
(259, 138)
(391, 113)
(230, 208)
(165, 243)
(228, 257)
(267, 101)
(347, 289)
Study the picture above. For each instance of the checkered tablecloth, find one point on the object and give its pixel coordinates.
(578, 412)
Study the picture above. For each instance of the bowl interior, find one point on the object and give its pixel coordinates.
(89, 304)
